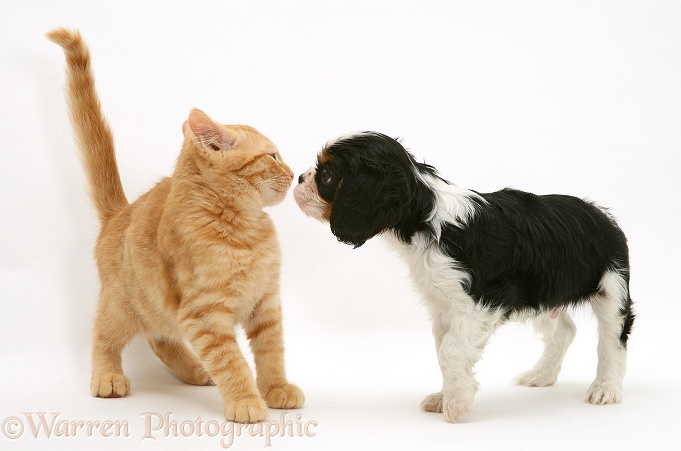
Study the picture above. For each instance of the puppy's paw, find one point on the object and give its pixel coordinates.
(601, 393)
(110, 385)
(288, 396)
(432, 403)
(534, 378)
(455, 406)
(249, 410)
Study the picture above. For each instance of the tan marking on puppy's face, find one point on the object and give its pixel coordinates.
(323, 157)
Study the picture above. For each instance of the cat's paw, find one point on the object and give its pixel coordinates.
(288, 396)
(199, 376)
(110, 385)
(249, 410)
(432, 403)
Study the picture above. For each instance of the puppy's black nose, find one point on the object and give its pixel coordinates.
(301, 179)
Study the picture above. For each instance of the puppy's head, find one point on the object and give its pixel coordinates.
(362, 184)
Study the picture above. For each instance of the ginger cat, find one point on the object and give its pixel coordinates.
(190, 260)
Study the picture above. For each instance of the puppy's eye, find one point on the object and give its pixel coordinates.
(325, 176)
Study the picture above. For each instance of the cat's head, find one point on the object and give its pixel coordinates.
(237, 155)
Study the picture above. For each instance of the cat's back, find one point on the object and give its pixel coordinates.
(137, 222)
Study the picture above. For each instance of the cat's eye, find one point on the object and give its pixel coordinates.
(274, 155)
(325, 176)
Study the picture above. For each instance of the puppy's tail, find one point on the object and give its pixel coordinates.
(628, 317)
(93, 134)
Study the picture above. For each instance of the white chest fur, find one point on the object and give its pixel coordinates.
(437, 276)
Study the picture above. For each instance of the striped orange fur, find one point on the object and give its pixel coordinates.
(190, 260)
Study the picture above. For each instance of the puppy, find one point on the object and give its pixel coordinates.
(481, 259)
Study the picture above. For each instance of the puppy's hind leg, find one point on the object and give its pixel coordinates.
(612, 307)
(557, 331)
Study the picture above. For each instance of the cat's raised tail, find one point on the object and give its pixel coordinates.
(93, 134)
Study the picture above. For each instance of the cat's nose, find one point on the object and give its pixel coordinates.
(301, 179)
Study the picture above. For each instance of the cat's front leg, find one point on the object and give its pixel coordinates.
(209, 326)
(115, 326)
(266, 338)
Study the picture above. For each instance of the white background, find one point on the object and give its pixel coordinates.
(576, 97)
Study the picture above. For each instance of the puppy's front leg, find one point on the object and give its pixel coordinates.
(461, 348)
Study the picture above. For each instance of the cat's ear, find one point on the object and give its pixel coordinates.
(210, 135)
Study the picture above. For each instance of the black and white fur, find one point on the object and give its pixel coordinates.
(481, 259)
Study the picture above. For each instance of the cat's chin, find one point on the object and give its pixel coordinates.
(273, 196)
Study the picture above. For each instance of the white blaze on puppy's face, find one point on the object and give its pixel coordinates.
(308, 199)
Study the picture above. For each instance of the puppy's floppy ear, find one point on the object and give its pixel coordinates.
(368, 202)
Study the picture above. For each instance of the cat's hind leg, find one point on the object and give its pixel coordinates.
(114, 328)
(181, 360)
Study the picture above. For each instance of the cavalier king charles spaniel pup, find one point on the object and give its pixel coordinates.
(481, 259)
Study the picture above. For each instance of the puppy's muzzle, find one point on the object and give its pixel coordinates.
(303, 177)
